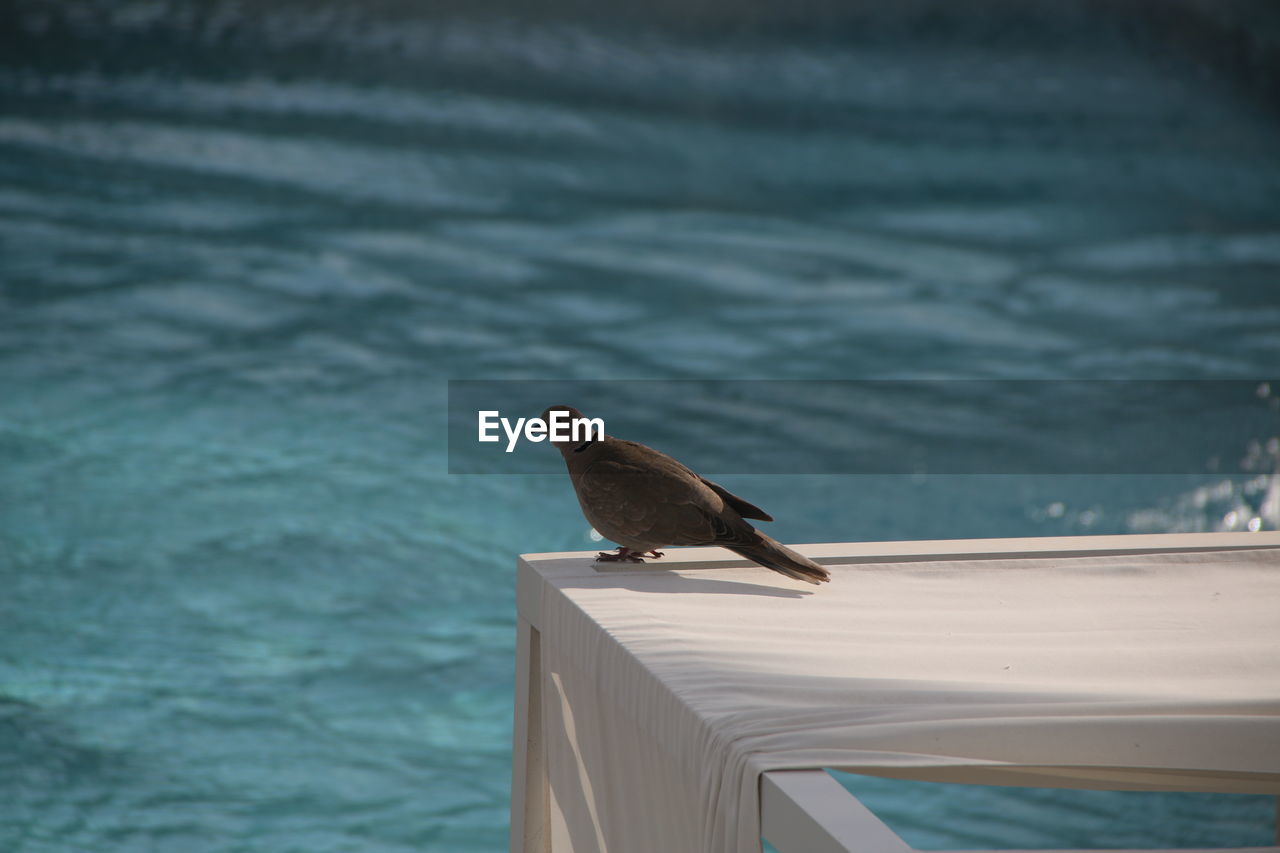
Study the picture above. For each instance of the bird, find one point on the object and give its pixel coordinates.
(644, 500)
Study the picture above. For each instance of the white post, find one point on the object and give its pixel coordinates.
(806, 811)
(530, 793)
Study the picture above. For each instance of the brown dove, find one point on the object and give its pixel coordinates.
(644, 500)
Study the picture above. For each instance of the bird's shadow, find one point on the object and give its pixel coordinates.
(665, 582)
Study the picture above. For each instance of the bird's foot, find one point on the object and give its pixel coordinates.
(624, 555)
(657, 555)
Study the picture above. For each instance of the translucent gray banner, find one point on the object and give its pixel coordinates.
(925, 426)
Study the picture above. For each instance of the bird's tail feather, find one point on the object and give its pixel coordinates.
(772, 554)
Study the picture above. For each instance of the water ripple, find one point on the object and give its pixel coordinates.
(242, 248)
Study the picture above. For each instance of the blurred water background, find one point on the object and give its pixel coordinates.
(244, 244)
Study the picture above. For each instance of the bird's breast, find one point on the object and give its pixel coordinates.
(619, 515)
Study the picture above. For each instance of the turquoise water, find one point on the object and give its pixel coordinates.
(243, 247)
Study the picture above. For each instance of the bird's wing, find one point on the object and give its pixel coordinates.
(644, 456)
(743, 508)
(654, 499)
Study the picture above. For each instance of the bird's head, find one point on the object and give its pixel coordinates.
(569, 410)
(577, 433)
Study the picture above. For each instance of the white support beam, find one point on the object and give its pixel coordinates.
(530, 792)
(807, 811)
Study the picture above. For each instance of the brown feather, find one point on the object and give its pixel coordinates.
(744, 509)
(643, 500)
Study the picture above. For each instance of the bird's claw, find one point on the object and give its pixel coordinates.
(624, 555)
